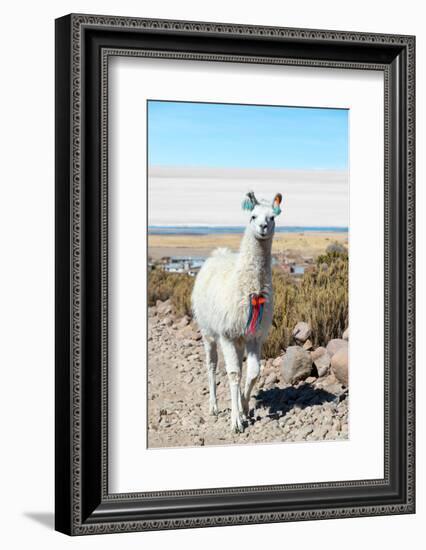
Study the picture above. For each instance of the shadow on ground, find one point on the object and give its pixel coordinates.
(279, 401)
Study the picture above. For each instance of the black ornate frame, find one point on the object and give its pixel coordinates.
(83, 45)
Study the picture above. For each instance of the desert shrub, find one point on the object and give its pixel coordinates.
(174, 286)
(332, 256)
(336, 247)
(320, 298)
(285, 314)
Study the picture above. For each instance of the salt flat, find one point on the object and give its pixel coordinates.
(212, 196)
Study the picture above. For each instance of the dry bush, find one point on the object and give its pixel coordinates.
(176, 286)
(320, 298)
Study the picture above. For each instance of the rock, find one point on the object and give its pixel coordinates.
(164, 308)
(187, 342)
(168, 321)
(335, 345)
(183, 322)
(296, 365)
(304, 431)
(345, 335)
(327, 381)
(188, 332)
(277, 361)
(320, 432)
(307, 345)
(339, 365)
(196, 334)
(301, 332)
(317, 353)
(198, 420)
(310, 379)
(271, 379)
(321, 360)
(336, 425)
(152, 311)
(335, 389)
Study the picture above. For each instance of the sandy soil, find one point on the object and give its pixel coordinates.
(313, 410)
(293, 244)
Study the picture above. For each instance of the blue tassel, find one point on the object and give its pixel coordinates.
(247, 205)
(259, 319)
(250, 314)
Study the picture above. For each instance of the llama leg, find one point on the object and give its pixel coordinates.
(240, 345)
(210, 347)
(253, 371)
(230, 353)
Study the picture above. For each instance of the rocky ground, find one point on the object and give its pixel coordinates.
(310, 410)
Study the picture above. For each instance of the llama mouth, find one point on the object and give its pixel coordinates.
(263, 237)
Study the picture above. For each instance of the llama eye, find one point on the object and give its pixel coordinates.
(253, 218)
(272, 218)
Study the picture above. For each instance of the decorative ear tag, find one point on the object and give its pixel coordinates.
(250, 201)
(247, 204)
(276, 204)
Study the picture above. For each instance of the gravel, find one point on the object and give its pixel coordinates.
(178, 416)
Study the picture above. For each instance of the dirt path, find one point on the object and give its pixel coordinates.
(315, 409)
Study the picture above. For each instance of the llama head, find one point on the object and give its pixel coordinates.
(262, 219)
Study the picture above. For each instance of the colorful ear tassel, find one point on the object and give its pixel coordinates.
(250, 201)
(276, 204)
(247, 204)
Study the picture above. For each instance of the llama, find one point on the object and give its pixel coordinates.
(232, 302)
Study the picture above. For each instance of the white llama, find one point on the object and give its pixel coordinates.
(232, 302)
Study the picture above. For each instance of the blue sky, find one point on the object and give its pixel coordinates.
(247, 136)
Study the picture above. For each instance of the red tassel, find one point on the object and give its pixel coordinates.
(255, 313)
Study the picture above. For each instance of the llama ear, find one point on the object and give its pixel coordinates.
(276, 204)
(250, 201)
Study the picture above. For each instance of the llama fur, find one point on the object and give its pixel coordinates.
(221, 303)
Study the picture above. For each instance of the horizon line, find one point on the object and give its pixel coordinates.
(207, 226)
(163, 170)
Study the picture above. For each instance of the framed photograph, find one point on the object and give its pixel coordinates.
(234, 274)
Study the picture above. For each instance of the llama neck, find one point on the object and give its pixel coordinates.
(254, 264)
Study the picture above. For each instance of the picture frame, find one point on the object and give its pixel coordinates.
(83, 503)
